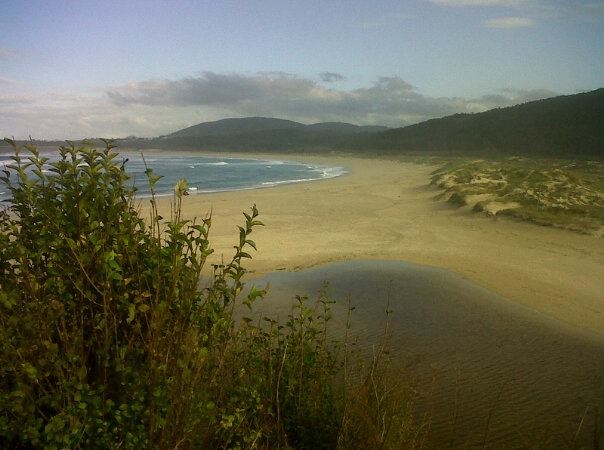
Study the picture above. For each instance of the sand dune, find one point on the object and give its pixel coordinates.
(386, 210)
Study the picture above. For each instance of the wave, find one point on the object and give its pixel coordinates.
(330, 172)
(275, 183)
(220, 163)
(323, 171)
(316, 172)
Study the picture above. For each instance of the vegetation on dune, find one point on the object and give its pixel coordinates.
(555, 193)
(109, 339)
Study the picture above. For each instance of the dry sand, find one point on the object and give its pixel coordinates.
(386, 210)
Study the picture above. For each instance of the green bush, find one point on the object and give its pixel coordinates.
(109, 339)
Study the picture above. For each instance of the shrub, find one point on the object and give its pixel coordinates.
(108, 338)
(105, 335)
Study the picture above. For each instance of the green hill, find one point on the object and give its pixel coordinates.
(235, 126)
(570, 125)
(259, 134)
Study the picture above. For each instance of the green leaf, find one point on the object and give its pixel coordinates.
(30, 370)
(131, 312)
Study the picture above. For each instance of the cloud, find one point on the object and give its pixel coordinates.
(45, 118)
(528, 95)
(509, 22)
(509, 97)
(210, 89)
(156, 107)
(330, 77)
(389, 100)
(479, 2)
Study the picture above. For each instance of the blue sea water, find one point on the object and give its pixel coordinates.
(209, 173)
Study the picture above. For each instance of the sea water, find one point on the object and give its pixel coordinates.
(207, 173)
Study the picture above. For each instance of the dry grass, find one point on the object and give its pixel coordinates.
(565, 194)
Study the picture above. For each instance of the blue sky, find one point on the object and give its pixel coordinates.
(70, 69)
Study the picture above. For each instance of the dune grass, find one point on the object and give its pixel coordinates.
(565, 194)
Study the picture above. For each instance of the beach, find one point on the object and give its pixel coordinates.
(385, 209)
(484, 372)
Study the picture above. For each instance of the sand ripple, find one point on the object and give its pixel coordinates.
(488, 371)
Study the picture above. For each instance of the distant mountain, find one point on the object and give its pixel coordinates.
(345, 128)
(246, 125)
(570, 125)
(236, 126)
(258, 134)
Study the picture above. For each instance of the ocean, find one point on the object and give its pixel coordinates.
(207, 174)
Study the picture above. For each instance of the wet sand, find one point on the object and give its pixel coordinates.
(386, 210)
(486, 372)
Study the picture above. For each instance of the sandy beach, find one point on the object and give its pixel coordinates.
(541, 382)
(386, 210)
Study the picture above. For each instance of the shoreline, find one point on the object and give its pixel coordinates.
(385, 209)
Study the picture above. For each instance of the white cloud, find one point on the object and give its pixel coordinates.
(509, 22)
(508, 97)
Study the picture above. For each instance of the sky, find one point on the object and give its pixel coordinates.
(74, 69)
